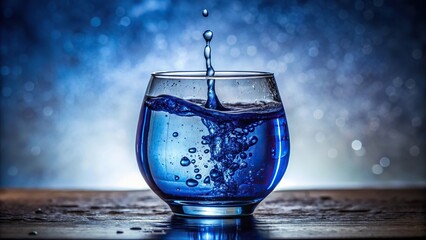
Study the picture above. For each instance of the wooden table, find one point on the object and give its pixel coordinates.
(284, 214)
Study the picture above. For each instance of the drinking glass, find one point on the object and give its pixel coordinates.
(212, 146)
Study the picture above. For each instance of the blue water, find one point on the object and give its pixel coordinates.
(190, 152)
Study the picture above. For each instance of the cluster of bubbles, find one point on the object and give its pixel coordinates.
(228, 144)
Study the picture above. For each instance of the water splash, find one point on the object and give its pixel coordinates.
(212, 99)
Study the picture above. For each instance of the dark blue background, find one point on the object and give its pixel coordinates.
(351, 74)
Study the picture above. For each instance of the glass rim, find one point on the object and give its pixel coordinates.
(218, 75)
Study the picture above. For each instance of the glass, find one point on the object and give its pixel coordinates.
(205, 161)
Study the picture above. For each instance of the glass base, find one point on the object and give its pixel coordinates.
(217, 210)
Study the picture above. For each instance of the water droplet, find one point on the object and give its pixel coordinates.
(208, 35)
(206, 166)
(193, 161)
(192, 150)
(206, 151)
(198, 176)
(176, 177)
(207, 180)
(205, 13)
(191, 182)
(175, 134)
(184, 161)
(243, 155)
(243, 165)
(197, 170)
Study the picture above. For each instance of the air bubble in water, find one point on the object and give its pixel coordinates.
(192, 150)
(198, 176)
(185, 161)
(175, 134)
(234, 167)
(191, 182)
(253, 140)
(214, 174)
(176, 177)
(207, 180)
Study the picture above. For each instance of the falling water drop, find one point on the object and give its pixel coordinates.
(205, 13)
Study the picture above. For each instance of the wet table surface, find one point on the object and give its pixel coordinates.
(142, 215)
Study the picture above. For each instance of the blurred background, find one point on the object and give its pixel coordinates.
(352, 75)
